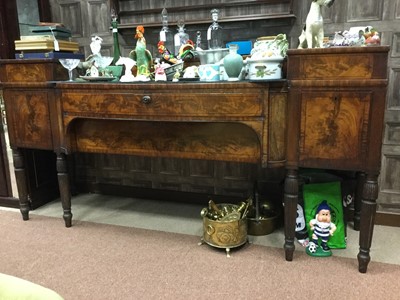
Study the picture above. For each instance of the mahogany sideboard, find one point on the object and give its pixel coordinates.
(331, 118)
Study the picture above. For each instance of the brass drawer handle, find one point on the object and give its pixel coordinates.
(146, 100)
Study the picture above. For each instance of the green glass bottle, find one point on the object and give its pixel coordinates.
(114, 25)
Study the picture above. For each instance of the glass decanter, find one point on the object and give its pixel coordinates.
(198, 40)
(181, 37)
(166, 35)
(214, 32)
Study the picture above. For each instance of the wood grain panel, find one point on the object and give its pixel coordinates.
(393, 101)
(389, 180)
(201, 169)
(392, 133)
(351, 66)
(28, 119)
(26, 72)
(277, 127)
(192, 103)
(334, 126)
(346, 63)
(32, 70)
(396, 45)
(71, 16)
(98, 17)
(223, 141)
(366, 10)
(148, 12)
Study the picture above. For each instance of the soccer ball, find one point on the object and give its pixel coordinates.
(312, 247)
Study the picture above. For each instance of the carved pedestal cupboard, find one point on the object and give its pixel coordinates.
(335, 121)
(331, 119)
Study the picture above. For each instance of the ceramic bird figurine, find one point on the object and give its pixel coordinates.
(186, 50)
(95, 45)
(166, 54)
(142, 56)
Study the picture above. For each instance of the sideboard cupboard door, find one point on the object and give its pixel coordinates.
(333, 128)
(28, 118)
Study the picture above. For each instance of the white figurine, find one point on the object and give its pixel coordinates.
(191, 72)
(95, 45)
(159, 73)
(312, 35)
(93, 71)
(176, 77)
(128, 63)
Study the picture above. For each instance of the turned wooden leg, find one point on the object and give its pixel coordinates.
(367, 220)
(64, 185)
(290, 199)
(357, 199)
(20, 177)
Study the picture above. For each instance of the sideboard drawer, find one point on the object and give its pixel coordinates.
(32, 70)
(247, 103)
(340, 63)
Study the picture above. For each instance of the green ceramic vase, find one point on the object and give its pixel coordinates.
(233, 63)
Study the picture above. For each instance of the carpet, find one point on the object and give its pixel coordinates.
(99, 261)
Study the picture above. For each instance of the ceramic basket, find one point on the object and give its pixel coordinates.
(265, 68)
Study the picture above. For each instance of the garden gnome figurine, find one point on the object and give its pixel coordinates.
(322, 228)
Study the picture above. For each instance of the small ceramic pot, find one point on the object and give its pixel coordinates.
(209, 72)
(265, 68)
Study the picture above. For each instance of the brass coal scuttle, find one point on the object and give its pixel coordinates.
(225, 225)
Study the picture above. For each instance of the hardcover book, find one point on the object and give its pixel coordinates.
(46, 35)
(49, 29)
(50, 54)
(23, 45)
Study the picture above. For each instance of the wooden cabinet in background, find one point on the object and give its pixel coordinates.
(335, 121)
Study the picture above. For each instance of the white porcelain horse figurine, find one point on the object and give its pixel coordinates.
(313, 33)
(128, 63)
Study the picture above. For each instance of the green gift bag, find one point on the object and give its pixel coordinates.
(313, 195)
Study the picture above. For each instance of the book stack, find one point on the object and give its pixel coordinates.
(47, 40)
